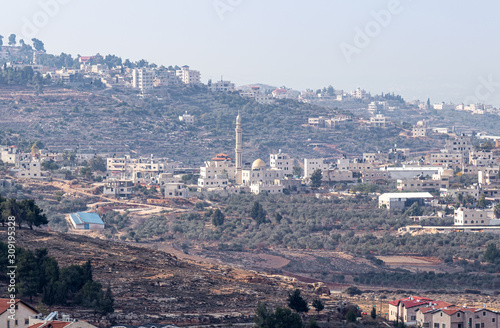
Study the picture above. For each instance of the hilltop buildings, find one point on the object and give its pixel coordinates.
(222, 174)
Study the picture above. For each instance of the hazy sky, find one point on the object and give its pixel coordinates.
(447, 50)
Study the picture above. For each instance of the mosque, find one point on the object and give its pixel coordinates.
(257, 178)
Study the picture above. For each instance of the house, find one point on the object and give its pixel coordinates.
(119, 188)
(189, 119)
(475, 217)
(176, 190)
(458, 317)
(86, 221)
(405, 309)
(15, 313)
(402, 200)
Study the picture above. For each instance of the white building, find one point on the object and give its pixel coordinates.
(119, 188)
(189, 119)
(258, 96)
(281, 161)
(176, 190)
(402, 200)
(359, 94)
(313, 164)
(217, 172)
(189, 77)
(378, 121)
(142, 79)
(476, 217)
(220, 86)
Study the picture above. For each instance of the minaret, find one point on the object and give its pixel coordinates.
(238, 150)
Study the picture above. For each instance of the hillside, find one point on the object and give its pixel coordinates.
(119, 121)
(153, 285)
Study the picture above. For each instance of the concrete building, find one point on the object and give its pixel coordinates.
(86, 221)
(12, 155)
(375, 176)
(119, 188)
(176, 190)
(313, 164)
(403, 200)
(220, 86)
(335, 175)
(420, 130)
(476, 217)
(281, 161)
(255, 93)
(461, 144)
(489, 176)
(447, 158)
(418, 184)
(481, 158)
(359, 94)
(189, 77)
(188, 119)
(142, 79)
(378, 121)
(217, 172)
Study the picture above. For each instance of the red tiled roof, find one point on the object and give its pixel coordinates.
(410, 301)
(4, 305)
(52, 324)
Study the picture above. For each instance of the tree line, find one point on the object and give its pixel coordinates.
(26, 212)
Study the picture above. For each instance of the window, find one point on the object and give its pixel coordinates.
(459, 325)
(436, 325)
(492, 319)
(413, 318)
(484, 313)
(443, 325)
(458, 314)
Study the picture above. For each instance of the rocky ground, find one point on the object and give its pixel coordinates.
(151, 285)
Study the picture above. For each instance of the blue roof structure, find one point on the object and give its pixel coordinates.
(83, 217)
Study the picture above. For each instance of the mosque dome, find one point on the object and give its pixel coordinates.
(258, 163)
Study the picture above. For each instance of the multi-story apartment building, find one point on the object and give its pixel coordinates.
(378, 121)
(119, 188)
(489, 176)
(188, 76)
(461, 144)
(447, 158)
(217, 172)
(419, 184)
(281, 161)
(142, 79)
(313, 164)
(481, 158)
(220, 86)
